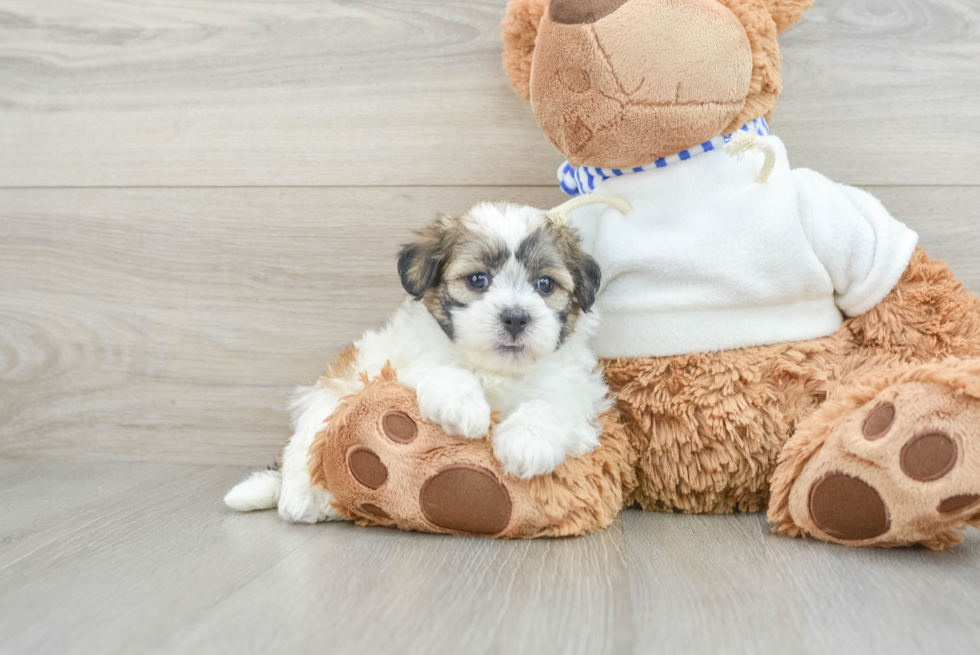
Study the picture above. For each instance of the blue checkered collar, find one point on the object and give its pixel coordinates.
(583, 179)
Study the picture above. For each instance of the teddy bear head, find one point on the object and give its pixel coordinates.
(622, 83)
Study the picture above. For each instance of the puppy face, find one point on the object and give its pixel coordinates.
(503, 282)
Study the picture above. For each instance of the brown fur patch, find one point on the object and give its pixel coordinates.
(458, 251)
(420, 264)
(344, 365)
(586, 274)
(544, 255)
(555, 251)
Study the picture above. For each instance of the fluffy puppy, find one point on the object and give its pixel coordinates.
(498, 319)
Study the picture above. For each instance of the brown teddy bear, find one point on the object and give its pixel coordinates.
(739, 384)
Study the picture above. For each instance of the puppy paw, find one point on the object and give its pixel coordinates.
(527, 444)
(301, 503)
(454, 400)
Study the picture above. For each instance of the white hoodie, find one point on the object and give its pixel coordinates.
(710, 260)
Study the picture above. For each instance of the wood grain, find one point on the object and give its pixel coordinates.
(143, 557)
(166, 316)
(237, 92)
(172, 324)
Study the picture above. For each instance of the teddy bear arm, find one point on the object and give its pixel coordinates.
(928, 315)
(860, 245)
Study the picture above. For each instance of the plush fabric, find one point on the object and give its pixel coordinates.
(787, 13)
(927, 510)
(582, 495)
(711, 260)
(765, 85)
(519, 29)
(599, 92)
(603, 99)
(710, 428)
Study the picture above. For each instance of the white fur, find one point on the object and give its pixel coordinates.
(259, 491)
(478, 330)
(452, 397)
(549, 397)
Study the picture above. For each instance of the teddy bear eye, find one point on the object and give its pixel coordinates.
(477, 281)
(546, 286)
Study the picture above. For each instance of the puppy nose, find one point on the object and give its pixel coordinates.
(515, 320)
(578, 12)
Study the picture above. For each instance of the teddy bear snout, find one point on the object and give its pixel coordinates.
(578, 12)
(608, 76)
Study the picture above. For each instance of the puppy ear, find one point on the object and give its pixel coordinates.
(585, 271)
(417, 269)
(587, 281)
(420, 263)
(519, 30)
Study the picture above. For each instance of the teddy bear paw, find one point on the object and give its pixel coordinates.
(386, 464)
(902, 469)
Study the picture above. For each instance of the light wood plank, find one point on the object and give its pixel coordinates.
(172, 324)
(226, 92)
(884, 92)
(162, 567)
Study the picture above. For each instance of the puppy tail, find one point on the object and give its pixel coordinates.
(258, 491)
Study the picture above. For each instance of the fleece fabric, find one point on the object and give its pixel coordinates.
(710, 260)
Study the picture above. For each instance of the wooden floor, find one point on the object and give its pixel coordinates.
(200, 204)
(143, 557)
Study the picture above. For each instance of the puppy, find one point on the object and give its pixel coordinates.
(498, 319)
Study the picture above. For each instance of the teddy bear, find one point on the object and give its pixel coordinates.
(774, 341)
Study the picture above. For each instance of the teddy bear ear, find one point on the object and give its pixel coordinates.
(520, 29)
(785, 13)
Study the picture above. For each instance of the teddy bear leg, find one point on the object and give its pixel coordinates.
(892, 460)
(384, 465)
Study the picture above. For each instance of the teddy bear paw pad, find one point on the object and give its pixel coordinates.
(848, 508)
(902, 469)
(399, 427)
(367, 468)
(954, 503)
(467, 499)
(928, 457)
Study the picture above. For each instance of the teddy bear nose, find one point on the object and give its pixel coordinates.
(515, 320)
(577, 12)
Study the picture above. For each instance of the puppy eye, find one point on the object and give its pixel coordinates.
(546, 286)
(477, 281)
